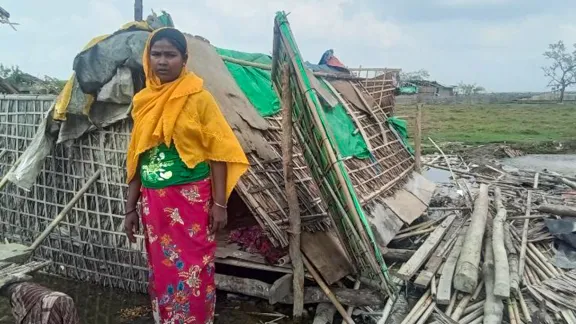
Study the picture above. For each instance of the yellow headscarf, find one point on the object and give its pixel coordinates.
(183, 113)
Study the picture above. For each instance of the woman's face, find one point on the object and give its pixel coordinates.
(167, 62)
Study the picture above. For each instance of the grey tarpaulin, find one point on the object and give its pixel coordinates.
(564, 232)
(97, 65)
(120, 89)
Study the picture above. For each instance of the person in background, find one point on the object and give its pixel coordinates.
(182, 164)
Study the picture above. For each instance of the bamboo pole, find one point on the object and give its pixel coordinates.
(353, 212)
(292, 197)
(501, 267)
(419, 304)
(524, 307)
(418, 139)
(466, 275)
(64, 211)
(426, 313)
(512, 261)
(493, 308)
(452, 303)
(522, 260)
(511, 313)
(327, 291)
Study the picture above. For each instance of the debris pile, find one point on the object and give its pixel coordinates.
(502, 253)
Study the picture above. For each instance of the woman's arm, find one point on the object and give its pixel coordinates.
(219, 214)
(133, 193)
(131, 221)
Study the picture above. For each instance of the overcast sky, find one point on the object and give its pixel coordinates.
(495, 43)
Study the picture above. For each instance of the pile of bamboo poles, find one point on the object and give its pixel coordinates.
(492, 263)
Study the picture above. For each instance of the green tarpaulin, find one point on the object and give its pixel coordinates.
(255, 83)
(350, 142)
(401, 127)
(257, 86)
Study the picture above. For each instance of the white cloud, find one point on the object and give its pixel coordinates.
(312, 19)
(464, 3)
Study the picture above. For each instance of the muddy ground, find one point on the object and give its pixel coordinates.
(97, 305)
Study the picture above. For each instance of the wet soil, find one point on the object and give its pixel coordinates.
(98, 305)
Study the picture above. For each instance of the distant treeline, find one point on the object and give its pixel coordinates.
(484, 98)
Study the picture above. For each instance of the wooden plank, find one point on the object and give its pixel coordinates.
(444, 291)
(409, 268)
(384, 223)
(420, 187)
(405, 205)
(327, 255)
(224, 252)
(425, 276)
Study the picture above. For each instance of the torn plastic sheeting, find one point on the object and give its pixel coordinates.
(563, 229)
(32, 160)
(565, 255)
(97, 66)
(120, 89)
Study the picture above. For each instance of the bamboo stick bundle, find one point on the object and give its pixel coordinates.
(459, 310)
(418, 306)
(474, 307)
(522, 259)
(472, 316)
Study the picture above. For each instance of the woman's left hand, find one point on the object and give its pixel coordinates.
(218, 218)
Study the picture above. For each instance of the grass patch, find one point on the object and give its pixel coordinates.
(495, 123)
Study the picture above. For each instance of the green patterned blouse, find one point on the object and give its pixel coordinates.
(161, 167)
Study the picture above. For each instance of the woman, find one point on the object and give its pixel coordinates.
(182, 163)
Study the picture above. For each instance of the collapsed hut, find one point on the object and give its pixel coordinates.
(354, 194)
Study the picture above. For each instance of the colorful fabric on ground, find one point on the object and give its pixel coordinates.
(161, 167)
(253, 240)
(34, 304)
(184, 113)
(181, 252)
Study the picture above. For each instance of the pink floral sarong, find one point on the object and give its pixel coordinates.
(180, 252)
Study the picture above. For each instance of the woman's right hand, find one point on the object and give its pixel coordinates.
(131, 225)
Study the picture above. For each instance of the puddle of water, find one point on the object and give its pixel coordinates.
(437, 175)
(561, 163)
(95, 304)
(99, 305)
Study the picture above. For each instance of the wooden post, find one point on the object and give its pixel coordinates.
(292, 197)
(467, 268)
(493, 307)
(501, 267)
(418, 139)
(138, 10)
